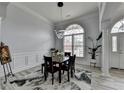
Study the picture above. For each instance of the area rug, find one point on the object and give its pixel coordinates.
(39, 83)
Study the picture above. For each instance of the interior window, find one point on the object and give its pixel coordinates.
(74, 40)
(114, 43)
(118, 27)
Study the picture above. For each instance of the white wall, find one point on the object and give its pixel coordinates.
(91, 26)
(28, 38)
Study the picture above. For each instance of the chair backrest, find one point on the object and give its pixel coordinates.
(67, 54)
(72, 60)
(67, 63)
(48, 63)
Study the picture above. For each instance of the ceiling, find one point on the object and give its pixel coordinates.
(70, 10)
(113, 10)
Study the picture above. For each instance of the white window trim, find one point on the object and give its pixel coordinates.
(83, 33)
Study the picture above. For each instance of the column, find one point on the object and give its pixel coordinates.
(105, 49)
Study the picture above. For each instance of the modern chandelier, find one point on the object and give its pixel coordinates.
(60, 32)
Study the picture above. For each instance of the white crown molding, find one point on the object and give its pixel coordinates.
(28, 10)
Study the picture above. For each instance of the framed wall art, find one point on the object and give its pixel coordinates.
(5, 56)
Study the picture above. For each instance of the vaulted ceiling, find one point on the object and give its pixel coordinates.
(70, 10)
(113, 10)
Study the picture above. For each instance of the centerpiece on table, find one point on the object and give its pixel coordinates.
(58, 56)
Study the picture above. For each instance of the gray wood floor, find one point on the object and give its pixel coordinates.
(99, 82)
(114, 82)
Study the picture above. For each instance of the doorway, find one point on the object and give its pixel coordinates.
(117, 52)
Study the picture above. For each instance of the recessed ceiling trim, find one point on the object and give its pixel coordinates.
(86, 16)
(28, 10)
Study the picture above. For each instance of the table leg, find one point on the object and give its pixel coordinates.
(71, 72)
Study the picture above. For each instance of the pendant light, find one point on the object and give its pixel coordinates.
(60, 32)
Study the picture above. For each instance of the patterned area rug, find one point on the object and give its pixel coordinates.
(76, 83)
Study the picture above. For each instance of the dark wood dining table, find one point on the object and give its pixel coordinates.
(60, 62)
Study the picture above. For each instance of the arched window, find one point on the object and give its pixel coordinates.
(117, 28)
(74, 40)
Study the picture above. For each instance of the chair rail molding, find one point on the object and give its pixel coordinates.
(22, 61)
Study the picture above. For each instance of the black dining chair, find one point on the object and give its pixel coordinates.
(72, 60)
(66, 67)
(67, 54)
(42, 67)
(49, 68)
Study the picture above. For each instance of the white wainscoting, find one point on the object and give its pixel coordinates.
(22, 61)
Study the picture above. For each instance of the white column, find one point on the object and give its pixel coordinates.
(105, 48)
(105, 53)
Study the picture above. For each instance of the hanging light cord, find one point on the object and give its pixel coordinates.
(61, 17)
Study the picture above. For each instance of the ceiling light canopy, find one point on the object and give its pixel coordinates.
(60, 4)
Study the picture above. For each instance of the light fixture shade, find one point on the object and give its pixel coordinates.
(59, 33)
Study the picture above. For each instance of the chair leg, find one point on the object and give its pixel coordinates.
(68, 76)
(42, 68)
(72, 72)
(52, 79)
(45, 75)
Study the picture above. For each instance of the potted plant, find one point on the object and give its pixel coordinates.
(94, 49)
